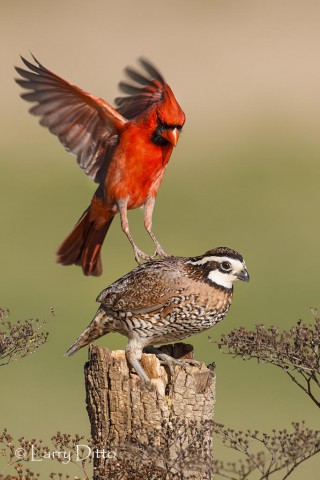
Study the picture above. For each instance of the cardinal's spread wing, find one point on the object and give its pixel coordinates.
(145, 289)
(147, 90)
(86, 125)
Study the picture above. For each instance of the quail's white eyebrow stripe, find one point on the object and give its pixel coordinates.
(203, 260)
(215, 259)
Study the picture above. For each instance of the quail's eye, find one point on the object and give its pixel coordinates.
(226, 266)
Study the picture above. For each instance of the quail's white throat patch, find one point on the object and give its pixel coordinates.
(222, 279)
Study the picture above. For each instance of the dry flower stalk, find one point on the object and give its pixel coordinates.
(17, 340)
(295, 351)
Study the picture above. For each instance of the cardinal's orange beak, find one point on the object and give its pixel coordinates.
(171, 135)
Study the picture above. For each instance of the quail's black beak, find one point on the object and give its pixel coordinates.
(243, 275)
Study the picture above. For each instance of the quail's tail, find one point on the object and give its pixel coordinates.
(94, 331)
(83, 245)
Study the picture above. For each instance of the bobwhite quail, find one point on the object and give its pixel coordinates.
(166, 300)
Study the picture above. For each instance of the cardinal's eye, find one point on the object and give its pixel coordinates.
(226, 266)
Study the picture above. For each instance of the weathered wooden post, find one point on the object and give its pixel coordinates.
(160, 431)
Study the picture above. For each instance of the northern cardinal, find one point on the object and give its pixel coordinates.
(124, 149)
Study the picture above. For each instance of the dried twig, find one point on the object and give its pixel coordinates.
(17, 340)
(295, 351)
(17, 455)
(282, 450)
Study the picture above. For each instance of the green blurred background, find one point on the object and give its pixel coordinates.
(245, 174)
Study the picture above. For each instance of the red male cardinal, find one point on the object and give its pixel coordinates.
(125, 150)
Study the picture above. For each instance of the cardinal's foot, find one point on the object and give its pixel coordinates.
(160, 252)
(139, 255)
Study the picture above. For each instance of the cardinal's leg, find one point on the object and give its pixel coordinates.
(148, 210)
(138, 254)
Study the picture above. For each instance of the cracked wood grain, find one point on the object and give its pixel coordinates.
(158, 431)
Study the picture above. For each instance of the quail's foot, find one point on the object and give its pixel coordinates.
(169, 361)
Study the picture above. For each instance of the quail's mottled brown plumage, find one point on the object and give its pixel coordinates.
(166, 300)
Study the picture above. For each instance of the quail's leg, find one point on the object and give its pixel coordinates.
(148, 210)
(138, 254)
(133, 355)
(170, 361)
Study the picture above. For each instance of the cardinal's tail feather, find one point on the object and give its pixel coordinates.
(83, 244)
